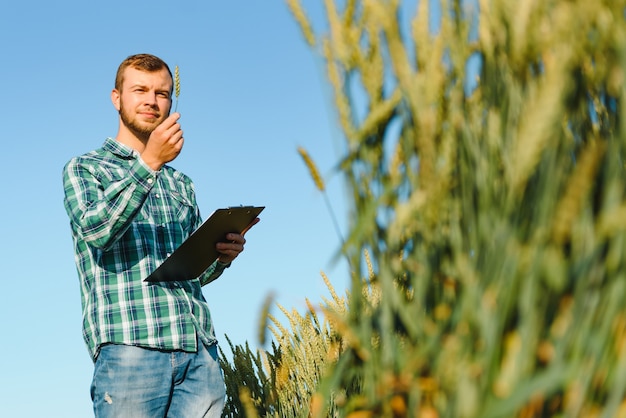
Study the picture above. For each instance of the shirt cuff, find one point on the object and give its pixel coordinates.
(213, 272)
(143, 173)
(221, 266)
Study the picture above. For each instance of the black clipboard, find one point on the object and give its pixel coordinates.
(198, 251)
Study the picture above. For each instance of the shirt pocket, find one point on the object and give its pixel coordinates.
(113, 179)
(182, 210)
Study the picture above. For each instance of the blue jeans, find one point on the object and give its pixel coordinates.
(135, 382)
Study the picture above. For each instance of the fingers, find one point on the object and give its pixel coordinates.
(165, 143)
(236, 238)
(170, 128)
(175, 132)
(236, 243)
(228, 255)
(176, 137)
(171, 120)
(230, 250)
(229, 247)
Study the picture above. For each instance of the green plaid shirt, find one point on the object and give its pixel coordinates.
(126, 219)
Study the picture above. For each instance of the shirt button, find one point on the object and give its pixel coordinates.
(150, 181)
(157, 196)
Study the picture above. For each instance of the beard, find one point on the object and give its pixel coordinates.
(140, 129)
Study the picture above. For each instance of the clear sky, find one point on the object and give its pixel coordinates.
(251, 93)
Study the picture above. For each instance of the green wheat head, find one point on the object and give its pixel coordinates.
(176, 86)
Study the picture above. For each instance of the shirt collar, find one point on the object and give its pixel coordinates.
(119, 149)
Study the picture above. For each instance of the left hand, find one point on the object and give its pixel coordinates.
(231, 249)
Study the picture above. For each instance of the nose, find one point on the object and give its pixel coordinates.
(150, 98)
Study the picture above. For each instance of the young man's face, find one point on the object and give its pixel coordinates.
(145, 100)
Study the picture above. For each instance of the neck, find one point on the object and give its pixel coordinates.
(136, 141)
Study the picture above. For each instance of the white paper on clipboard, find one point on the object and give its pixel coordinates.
(198, 251)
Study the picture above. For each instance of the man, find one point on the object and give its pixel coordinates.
(153, 344)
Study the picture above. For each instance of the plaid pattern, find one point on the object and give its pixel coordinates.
(126, 219)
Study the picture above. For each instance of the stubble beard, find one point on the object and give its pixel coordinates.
(140, 130)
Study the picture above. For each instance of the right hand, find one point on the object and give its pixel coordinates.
(164, 143)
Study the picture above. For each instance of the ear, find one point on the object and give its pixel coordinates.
(115, 98)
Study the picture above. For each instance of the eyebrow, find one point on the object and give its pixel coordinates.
(143, 86)
(132, 86)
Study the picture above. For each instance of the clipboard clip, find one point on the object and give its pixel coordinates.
(249, 207)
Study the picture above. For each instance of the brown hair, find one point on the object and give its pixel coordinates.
(143, 62)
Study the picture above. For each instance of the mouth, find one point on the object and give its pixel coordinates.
(149, 115)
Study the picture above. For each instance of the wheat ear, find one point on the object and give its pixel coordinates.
(176, 86)
(319, 183)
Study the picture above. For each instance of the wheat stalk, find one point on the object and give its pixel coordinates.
(176, 86)
(319, 183)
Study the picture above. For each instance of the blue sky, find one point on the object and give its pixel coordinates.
(251, 93)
